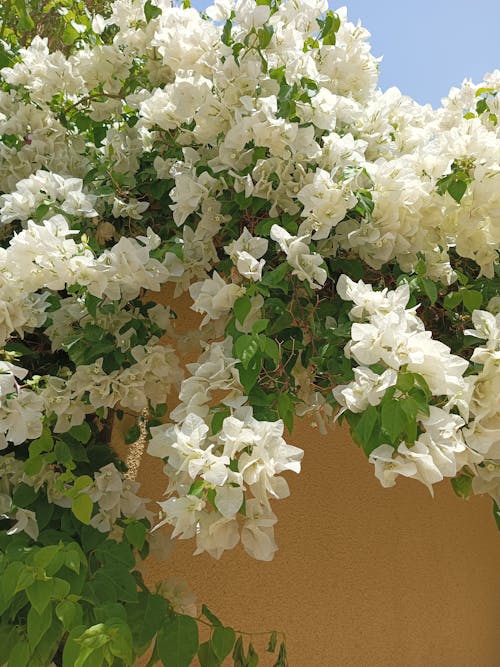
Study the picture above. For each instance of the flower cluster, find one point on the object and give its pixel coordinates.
(213, 469)
(339, 243)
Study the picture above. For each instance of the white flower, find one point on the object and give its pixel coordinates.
(388, 466)
(306, 266)
(245, 251)
(214, 297)
(220, 10)
(229, 500)
(216, 534)
(249, 15)
(115, 497)
(183, 513)
(487, 479)
(325, 205)
(367, 388)
(133, 208)
(25, 522)
(257, 535)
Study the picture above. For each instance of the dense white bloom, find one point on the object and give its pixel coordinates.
(397, 337)
(48, 188)
(220, 150)
(439, 452)
(193, 456)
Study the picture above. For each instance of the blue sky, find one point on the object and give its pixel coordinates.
(428, 45)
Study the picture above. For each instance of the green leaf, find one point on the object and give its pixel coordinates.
(112, 552)
(49, 644)
(38, 624)
(259, 326)
(71, 647)
(70, 614)
(222, 641)
(393, 419)
(145, 618)
(91, 538)
(132, 434)
(82, 482)
(207, 657)
(218, 419)
(136, 534)
(91, 303)
(238, 652)
(81, 432)
(226, 33)
(462, 485)
(366, 426)
(205, 611)
(120, 644)
(246, 347)
(282, 322)
(99, 132)
(270, 348)
(271, 647)
(496, 514)
(252, 657)
(177, 641)
(410, 407)
(160, 410)
(430, 289)
(24, 495)
(82, 508)
(47, 555)
(276, 276)
(197, 488)
(242, 307)
(472, 300)
(282, 658)
(91, 643)
(285, 410)
(19, 656)
(457, 190)
(39, 594)
(110, 610)
(69, 35)
(405, 381)
(329, 27)
(452, 300)
(250, 375)
(33, 465)
(10, 581)
(62, 453)
(25, 22)
(123, 581)
(44, 443)
(265, 35)
(151, 11)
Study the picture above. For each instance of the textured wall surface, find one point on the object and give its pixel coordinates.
(364, 576)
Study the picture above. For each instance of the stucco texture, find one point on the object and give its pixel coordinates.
(364, 576)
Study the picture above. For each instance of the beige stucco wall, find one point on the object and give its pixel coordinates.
(364, 576)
